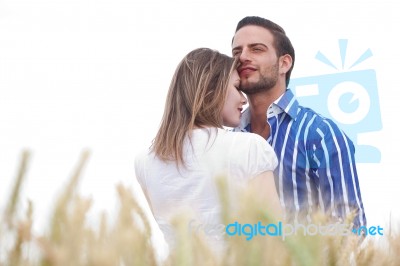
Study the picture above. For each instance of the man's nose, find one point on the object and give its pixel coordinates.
(244, 56)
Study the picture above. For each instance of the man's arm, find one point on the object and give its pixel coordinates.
(338, 180)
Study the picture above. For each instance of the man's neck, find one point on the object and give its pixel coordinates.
(259, 104)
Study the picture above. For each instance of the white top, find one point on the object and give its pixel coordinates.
(211, 153)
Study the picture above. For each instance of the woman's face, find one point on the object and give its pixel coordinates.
(234, 102)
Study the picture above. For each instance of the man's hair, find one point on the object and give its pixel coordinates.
(195, 98)
(281, 42)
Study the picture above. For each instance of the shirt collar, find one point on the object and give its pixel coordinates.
(285, 103)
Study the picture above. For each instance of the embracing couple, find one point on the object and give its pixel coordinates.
(300, 162)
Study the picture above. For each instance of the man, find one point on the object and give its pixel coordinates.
(316, 170)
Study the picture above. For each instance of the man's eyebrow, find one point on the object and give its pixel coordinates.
(256, 44)
(236, 48)
(249, 45)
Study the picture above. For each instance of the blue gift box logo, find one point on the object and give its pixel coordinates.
(349, 98)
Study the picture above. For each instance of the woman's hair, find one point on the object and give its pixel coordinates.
(195, 98)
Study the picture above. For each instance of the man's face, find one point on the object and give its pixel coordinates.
(259, 68)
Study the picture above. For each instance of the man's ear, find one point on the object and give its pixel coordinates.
(285, 63)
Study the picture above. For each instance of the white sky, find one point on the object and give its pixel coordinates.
(94, 74)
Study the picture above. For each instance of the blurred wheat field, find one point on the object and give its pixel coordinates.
(70, 240)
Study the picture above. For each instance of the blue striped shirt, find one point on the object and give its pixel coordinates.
(316, 170)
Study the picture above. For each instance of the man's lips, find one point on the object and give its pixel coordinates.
(246, 70)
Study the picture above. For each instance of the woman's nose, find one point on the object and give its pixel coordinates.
(243, 98)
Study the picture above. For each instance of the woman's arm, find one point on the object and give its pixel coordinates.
(263, 189)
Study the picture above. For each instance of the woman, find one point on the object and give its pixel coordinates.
(191, 147)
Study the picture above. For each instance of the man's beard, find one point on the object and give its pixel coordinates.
(265, 83)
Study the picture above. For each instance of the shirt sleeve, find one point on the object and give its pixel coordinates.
(333, 155)
(252, 155)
